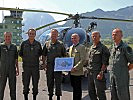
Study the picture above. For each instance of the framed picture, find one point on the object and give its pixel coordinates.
(64, 64)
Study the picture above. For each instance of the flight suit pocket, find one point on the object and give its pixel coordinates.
(36, 49)
(4, 53)
(97, 57)
(97, 54)
(58, 51)
(26, 50)
(12, 53)
(4, 50)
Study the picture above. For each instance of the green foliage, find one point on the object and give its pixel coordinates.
(131, 45)
(108, 42)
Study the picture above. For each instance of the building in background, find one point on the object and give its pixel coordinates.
(12, 23)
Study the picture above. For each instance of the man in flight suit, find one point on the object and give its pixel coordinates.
(51, 50)
(121, 61)
(98, 61)
(8, 66)
(30, 51)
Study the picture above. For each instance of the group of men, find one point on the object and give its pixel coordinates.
(119, 57)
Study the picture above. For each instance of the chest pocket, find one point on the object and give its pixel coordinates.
(97, 55)
(59, 49)
(26, 49)
(36, 49)
(4, 50)
(12, 52)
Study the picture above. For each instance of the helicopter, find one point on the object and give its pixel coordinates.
(66, 32)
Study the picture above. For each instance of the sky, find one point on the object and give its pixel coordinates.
(65, 6)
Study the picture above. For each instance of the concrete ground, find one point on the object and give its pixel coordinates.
(66, 87)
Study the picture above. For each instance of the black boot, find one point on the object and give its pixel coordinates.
(34, 97)
(50, 97)
(25, 96)
(58, 97)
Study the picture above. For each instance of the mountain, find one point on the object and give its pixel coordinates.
(34, 20)
(105, 27)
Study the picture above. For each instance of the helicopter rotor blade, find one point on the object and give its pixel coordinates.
(111, 19)
(51, 24)
(30, 10)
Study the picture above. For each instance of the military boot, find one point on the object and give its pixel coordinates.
(25, 96)
(50, 97)
(58, 97)
(34, 97)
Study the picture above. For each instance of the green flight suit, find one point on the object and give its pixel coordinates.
(121, 55)
(30, 54)
(98, 55)
(8, 58)
(51, 51)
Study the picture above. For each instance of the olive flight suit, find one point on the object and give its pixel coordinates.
(121, 55)
(98, 55)
(52, 51)
(30, 54)
(8, 57)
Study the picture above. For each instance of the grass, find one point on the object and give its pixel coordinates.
(131, 45)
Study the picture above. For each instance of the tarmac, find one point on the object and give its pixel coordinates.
(66, 88)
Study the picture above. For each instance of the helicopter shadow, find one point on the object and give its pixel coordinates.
(66, 86)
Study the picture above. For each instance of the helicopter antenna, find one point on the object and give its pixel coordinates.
(92, 26)
(76, 20)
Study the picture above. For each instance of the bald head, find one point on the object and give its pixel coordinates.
(117, 35)
(75, 38)
(96, 33)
